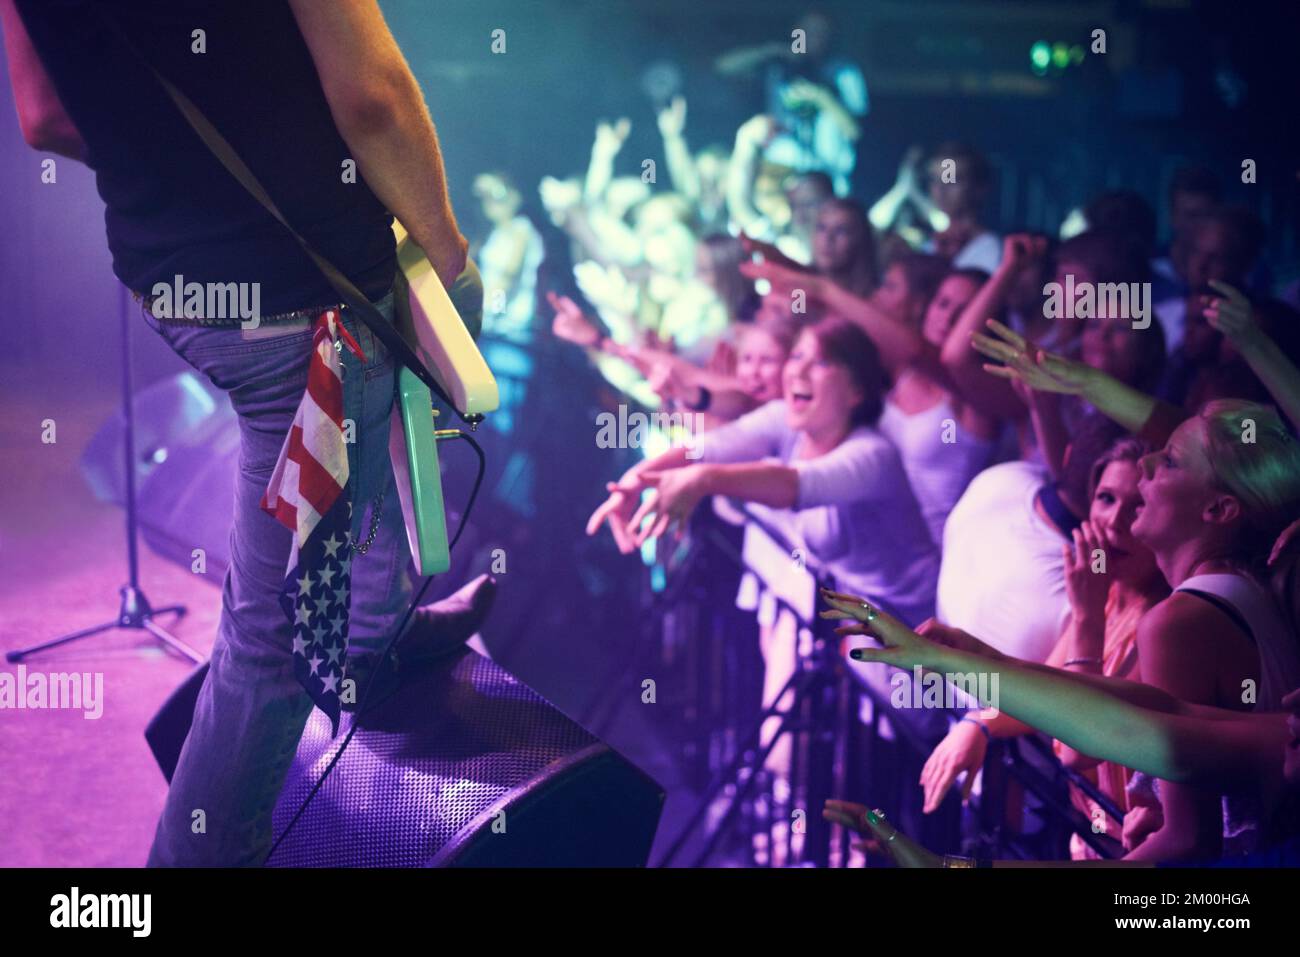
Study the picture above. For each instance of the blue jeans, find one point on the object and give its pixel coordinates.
(251, 710)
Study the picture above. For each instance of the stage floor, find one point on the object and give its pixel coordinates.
(77, 791)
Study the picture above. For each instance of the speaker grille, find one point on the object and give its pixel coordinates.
(450, 744)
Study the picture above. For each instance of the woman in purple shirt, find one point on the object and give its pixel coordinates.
(815, 455)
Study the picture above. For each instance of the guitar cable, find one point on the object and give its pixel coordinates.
(364, 700)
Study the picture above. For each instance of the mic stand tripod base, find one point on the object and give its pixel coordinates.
(135, 612)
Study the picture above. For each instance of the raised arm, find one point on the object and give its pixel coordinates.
(381, 114)
(1233, 316)
(885, 210)
(962, 363)
(900, 345)
(681, 165)
(45, 124)
(600, 171)
(752, 136)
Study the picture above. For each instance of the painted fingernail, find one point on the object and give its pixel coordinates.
(857, 654)
(872, 816)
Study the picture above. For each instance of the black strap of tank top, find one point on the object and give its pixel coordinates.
(1224, 606)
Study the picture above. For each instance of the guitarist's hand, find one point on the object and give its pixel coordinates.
(449, 257)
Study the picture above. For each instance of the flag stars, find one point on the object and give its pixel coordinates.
(332, 545)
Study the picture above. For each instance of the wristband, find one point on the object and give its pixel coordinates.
(979, 724)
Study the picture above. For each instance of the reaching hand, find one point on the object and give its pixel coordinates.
(880, 834)
(672, 118)
(903, 648)
(617, 511)
(962, 751)
(570, 324)
(1023, 361)
(676, 493)
(667, 378)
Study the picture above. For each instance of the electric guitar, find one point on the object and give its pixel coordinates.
(436, 324)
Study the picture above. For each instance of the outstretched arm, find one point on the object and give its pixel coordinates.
(1146, 416)
(1092, 714)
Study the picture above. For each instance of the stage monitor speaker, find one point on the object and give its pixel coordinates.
(464, 766)
(187, 441)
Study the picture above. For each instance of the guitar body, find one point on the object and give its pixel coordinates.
(432, 324)
(413, 450)
(437, 326)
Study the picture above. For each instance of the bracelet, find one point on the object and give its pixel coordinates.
(979, 724)
(1082, 661)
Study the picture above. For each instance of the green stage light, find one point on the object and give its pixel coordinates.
(1040, 55)
(1060, 56)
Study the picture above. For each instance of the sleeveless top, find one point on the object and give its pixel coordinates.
(939, 471)
(1248, 604)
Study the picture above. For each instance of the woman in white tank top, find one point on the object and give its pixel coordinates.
(1214, 501)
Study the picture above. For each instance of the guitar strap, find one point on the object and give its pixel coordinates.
(350, 294)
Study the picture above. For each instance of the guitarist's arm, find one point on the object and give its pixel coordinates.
(381, 114)
(45, 124)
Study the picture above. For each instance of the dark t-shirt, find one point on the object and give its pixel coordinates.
(172, 209)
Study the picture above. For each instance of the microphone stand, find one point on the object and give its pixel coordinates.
(135, 610)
